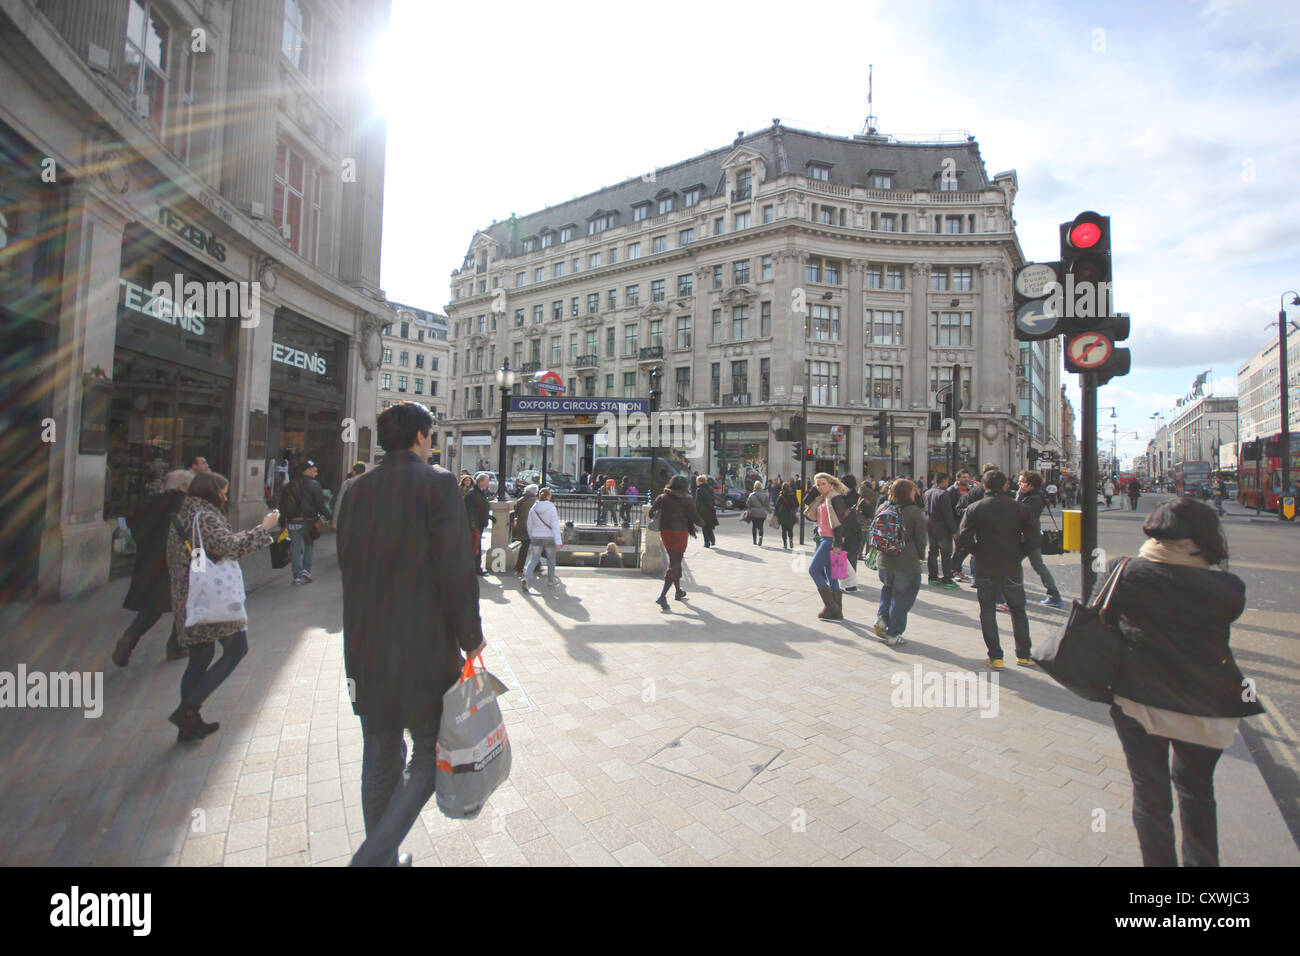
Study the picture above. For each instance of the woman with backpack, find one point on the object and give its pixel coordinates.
(787, 513)
(831, 512)
(758, 506)
(899, 534)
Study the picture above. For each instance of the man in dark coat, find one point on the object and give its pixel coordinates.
(707, 507)
(941, 529)
(479, 512)
(410, 607)
(302, 503)
(996, 530)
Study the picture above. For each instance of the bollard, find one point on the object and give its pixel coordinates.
(1072, 529)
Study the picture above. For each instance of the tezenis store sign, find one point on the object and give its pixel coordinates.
(205, 241)
(297, 358)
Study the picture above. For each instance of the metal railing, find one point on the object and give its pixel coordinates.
(586, 361)
(592, 510)
(651, 353)
(529, 367)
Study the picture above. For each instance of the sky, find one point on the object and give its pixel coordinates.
(1176, 119)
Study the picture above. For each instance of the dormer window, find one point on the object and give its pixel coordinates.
(665, 205)
(744, 190)
(530, 244)
(640, 211)
(819, 171)
(566, 233)
(691, 197)
(947, 181)
(548, 240)
(882, 181)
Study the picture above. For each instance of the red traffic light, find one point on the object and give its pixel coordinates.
(1085, 235)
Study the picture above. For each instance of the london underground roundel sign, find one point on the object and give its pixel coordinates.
(549, 382)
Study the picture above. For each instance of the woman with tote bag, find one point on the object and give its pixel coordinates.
(202, 523)
(758, 506)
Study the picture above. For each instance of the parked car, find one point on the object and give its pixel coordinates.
(727, 497)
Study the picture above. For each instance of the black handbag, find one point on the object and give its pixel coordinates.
(280, 550)
(1085, 655)
(1053, 541)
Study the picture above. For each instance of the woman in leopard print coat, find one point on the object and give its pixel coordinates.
(206, 499)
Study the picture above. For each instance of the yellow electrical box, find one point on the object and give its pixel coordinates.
(1072, 528)
(1288, 508)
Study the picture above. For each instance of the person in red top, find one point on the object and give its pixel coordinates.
(677, 519)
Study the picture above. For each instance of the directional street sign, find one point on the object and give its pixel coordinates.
(547, 432)
(1089, 349)
(1034, 318)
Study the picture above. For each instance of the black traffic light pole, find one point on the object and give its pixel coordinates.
(893, 462)
(803, 465)
(956, 421)
(1088, 482)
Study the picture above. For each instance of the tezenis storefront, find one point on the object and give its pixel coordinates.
(307, 401)
(173, 381)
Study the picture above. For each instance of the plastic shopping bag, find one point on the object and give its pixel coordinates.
(839, 564)
(216, 593)
(851, 581)
(473, 749)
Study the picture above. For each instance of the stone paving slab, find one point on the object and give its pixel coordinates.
(735, 730)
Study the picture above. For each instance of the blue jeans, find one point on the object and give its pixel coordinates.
(898, 590)
(1013, 588)
(537, 551)
(392, 792)
(301, 546)
(199, 681)
(820, 567)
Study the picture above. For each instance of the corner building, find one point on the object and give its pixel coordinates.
(229, 148)
(860, 269)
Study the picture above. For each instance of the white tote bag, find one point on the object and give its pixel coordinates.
(216, 587)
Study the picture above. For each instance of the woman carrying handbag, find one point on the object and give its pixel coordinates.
(1178, 687)
(759, 505)
(201, 523)
(830, 511)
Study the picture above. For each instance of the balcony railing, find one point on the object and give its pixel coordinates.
(651, 353)
(736, 398)
(740, 195)
(528, 368)
(474, 413)
(586, 361)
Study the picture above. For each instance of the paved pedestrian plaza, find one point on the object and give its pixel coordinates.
(736, 730)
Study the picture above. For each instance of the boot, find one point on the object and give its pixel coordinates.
(122, 650)
(828, 612)
(662, 599)
(837, 598)
(189, 723)
(678, 594)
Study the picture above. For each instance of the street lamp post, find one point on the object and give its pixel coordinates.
(1284, 443)
(505, 382)
(655, 374)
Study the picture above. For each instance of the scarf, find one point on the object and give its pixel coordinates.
(1181, 551)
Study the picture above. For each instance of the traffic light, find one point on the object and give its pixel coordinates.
(1085, 271)
(797, 428)
(936, 421)
(796, 449)
(808, 454)
(882, 428)
(1086, 300)
(945, 405)
(1250, 450)
(716, 429)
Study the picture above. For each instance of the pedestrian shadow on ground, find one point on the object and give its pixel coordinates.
(727, 552)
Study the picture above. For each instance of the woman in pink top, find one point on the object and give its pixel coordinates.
(830, 510)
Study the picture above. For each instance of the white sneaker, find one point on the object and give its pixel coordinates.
(306, 577)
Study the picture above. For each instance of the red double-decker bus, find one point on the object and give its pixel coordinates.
(1191, 478)
(1268, 472)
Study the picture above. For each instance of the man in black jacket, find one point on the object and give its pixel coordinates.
(941, 528)
(995, 529)
(301, 503)
(1031, 495)
(410, 607)
(707, 508)
(479, 513)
